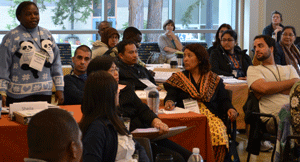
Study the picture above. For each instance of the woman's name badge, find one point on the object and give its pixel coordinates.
(234, 72)
(38, 60)
(192, 105)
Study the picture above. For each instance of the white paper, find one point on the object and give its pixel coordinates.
(143, 95)
(152, 130)
(22, 106)
(38, 60)
(234, 81)
(191, 105)
(176, 110)
(30, 113)
(147, 82)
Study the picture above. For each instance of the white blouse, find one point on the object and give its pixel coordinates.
(126, 148)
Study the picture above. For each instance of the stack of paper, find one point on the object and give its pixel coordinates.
(24, 117)
(176, 110)
(234, 81)
(154, 135)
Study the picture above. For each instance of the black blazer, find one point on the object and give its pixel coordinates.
(220, 62)
(132, 74)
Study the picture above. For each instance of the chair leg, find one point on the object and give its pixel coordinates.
(248, 158)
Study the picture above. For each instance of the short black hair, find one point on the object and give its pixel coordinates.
(51, 130)
(231, 33)
(276, 12)
(131, 32)
(269, 40)
(84, 48)
(22, 6)
(100, 63)
(167, 23)
(104, 21)
(289, 27)
(122, 44)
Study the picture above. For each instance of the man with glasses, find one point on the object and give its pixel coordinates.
(74, 82)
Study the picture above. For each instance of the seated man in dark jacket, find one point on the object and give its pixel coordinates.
(130, 70)
(74, 82)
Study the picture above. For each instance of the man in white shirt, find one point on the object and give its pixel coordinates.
(271, 83)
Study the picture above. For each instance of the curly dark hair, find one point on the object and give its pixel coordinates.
(202, 56)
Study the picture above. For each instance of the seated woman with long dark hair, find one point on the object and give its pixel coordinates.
(228, 59)
(139, 113)
(219, 33)
(105, 137)
(207, 89)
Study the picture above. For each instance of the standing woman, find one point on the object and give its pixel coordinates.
(228, 59)
(29, 60)
(274, 29)
(105, 137)
(109, 39)
(287, 52)
(219, 33)
(169, 43)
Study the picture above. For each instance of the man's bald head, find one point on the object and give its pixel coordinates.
(54, 135)
(102, 26)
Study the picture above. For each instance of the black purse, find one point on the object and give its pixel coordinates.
(251, 105)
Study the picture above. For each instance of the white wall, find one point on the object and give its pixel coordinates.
(289, 10)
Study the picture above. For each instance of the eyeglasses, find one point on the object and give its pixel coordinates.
(290, 35)
(227, 40)
(114, 70)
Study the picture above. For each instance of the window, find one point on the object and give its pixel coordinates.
(77, 23)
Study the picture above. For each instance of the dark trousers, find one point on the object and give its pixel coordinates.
(10, 100)
(166, 146)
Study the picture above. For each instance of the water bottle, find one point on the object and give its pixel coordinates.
(153, 100)
(195, 157)
(180, 60)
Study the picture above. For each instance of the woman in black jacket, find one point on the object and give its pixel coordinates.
(228, 59)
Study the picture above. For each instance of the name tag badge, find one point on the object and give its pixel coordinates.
(234, 72)
(192, 105)
(38, 60)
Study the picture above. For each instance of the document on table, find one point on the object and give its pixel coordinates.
(147, 82)
(153, 133)
(176, 110)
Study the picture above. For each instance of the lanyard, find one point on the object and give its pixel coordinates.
(274, 73)
(33, 38)
(235, 61)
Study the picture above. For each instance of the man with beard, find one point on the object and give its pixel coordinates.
(74, 82)
(270, 83)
